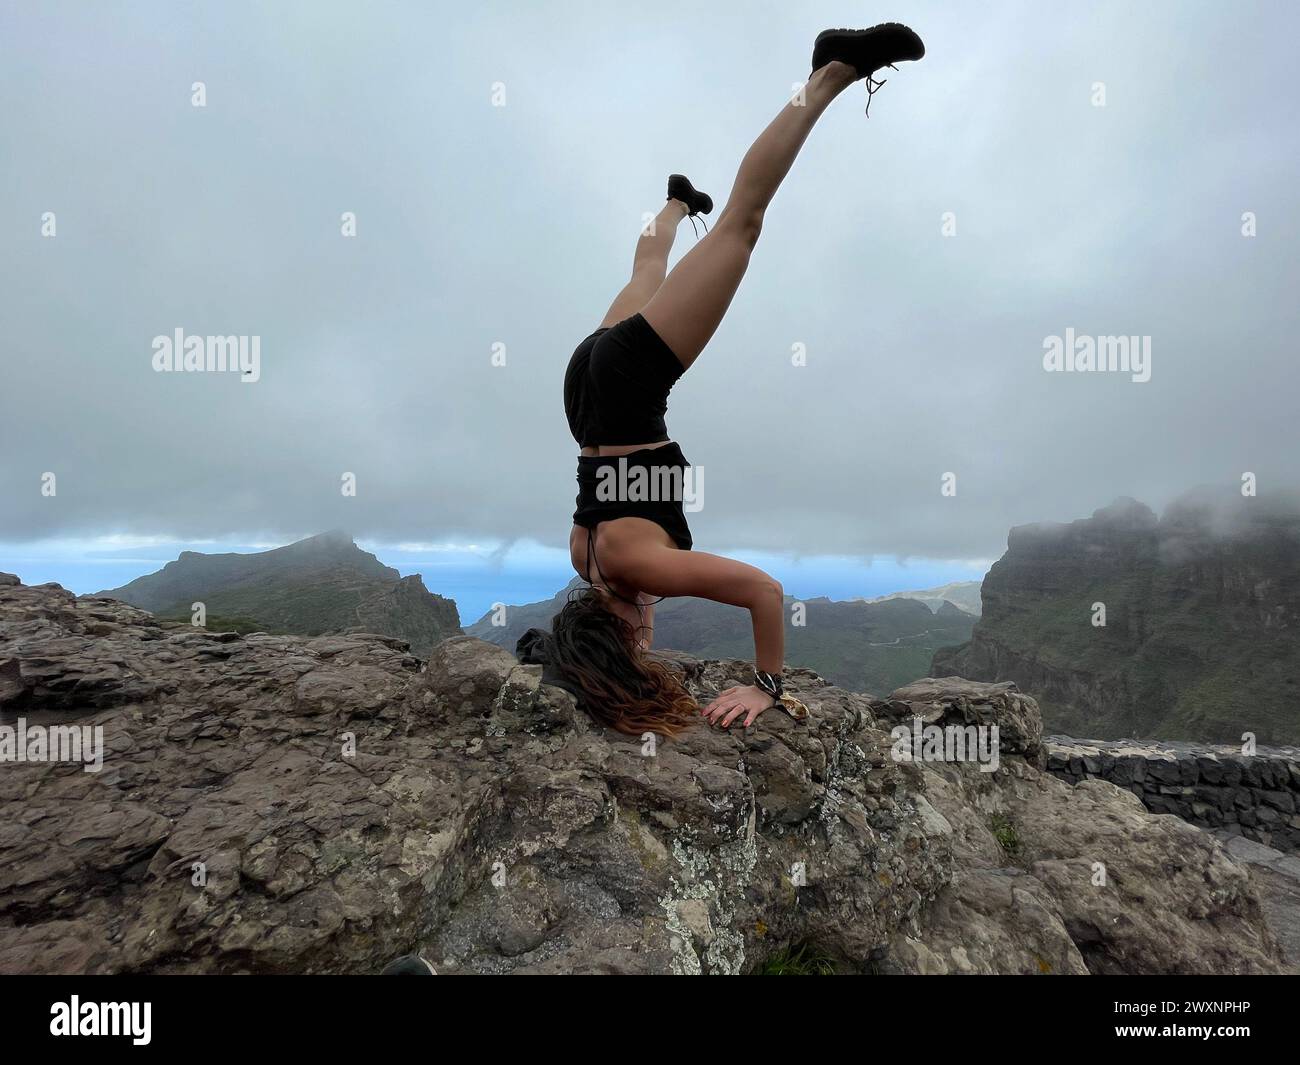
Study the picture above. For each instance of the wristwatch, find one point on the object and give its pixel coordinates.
(770, 683)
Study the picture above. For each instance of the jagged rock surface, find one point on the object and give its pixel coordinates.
(1277, 876)
(282, 804)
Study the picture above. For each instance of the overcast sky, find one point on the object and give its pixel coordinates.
(482, 225)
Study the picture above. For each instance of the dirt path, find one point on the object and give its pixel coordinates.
(899, 639)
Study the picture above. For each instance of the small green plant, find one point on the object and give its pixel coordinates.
(803, 960)
(1005, 833)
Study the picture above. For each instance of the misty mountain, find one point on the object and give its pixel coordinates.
(1201, 633)
(962, 594)
(321, 584)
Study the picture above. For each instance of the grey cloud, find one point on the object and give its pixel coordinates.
(480, 225)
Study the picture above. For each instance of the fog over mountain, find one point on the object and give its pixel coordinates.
(1181, 626)
(1093, 166)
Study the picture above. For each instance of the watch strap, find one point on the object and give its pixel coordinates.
(770, 683)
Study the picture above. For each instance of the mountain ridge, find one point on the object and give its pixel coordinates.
(1126, 624)
(320, 584)
(965, 595)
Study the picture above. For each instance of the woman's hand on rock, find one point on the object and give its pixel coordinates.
(746, 701)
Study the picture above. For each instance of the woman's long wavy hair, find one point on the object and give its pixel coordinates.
(622, 687)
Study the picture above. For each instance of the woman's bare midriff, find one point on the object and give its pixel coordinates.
(614, 450)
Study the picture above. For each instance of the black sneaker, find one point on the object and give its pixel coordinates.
(680, 188)
(866, 51)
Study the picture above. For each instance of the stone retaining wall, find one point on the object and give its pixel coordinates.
(1257, 796)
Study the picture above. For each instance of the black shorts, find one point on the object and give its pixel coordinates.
(616, 393)
(617, 384)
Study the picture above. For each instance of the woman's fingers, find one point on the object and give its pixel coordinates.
(732, 705)
(736, 711)
(713, 705)
(724, 715)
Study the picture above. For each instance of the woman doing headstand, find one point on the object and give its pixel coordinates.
(631, 548)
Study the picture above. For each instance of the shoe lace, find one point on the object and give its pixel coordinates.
(702, 222)
(873, 87)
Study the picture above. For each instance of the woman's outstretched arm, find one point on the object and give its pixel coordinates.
(666, 571)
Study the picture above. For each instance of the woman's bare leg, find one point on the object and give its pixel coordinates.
(649, 264)
(690, 302)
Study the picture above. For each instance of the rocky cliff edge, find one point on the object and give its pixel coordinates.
(281, 804)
